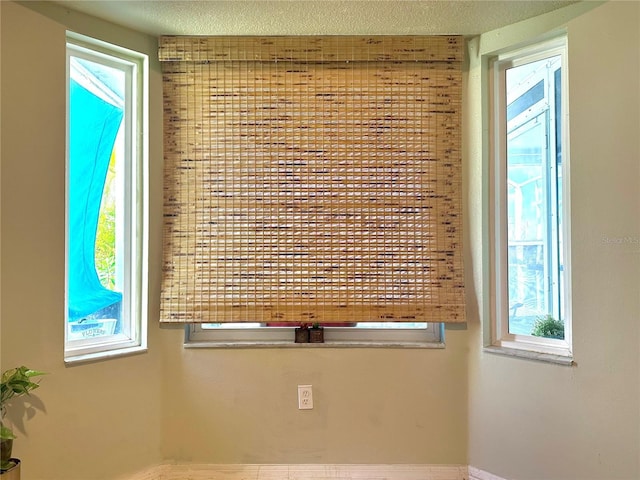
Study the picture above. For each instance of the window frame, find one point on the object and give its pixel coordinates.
(133, 338)
(432, 336)
(500, 340)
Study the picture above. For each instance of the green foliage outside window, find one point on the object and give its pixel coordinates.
(548, 327)
(105, 252)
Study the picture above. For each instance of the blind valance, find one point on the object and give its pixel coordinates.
(312, 179)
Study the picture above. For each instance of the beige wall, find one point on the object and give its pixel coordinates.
(520, 419)
(530, 420)
(90, 421)
(371, 406)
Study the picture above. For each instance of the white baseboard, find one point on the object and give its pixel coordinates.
(304, 472)
(477, 474)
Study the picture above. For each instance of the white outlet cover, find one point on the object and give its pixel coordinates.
(305, 397)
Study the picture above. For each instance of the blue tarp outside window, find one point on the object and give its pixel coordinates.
(93, 127)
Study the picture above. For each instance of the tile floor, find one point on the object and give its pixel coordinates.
(306, 472)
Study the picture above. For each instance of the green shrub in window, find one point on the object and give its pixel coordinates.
(548, 327)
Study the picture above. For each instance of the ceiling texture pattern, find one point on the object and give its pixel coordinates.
(313, 17)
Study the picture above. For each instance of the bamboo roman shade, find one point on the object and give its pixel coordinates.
(312, 179)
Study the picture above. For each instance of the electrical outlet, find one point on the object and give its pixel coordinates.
(305, 397)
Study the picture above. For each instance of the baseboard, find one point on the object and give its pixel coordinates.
(477, 474)
(304, 472)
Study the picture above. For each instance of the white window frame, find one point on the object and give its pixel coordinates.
(135, 204)
(229, 336)
(500, 339)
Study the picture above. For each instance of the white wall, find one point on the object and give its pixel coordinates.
(531, 420)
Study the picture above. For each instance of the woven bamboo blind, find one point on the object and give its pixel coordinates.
(312, 179)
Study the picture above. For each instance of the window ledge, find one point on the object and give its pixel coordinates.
(566, 360)
(91, 357)
(333, 344)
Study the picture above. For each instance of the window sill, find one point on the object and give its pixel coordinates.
(333, 344)
(566, 360)
(106, 355)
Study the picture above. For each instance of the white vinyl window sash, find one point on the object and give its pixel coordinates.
(106, 267)
(530, 196)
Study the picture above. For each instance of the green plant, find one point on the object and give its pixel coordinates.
(14, 382)
(548, 327)
(105, 247)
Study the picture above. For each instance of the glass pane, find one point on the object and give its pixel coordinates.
(533, 199)
(527, 217)
(96, 143)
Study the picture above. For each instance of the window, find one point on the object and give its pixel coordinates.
(366, 334)
(313, 179)
(106, 205)
(530, 224)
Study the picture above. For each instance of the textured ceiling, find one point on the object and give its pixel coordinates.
(313, 17)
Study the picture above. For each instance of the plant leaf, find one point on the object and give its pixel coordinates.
(6, 433)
